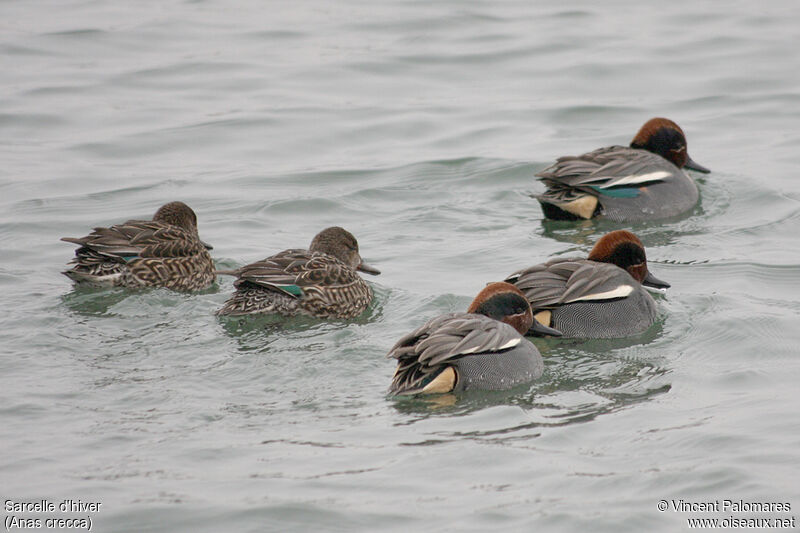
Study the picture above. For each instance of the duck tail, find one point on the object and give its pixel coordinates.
(92, 280)
(583, 207)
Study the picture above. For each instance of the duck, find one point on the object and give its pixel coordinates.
(601, 296)
(320, 282)
(482, 349)
(163, 252)
(644, 181)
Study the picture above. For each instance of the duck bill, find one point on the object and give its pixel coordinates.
(540, 330)
(653, 282)
(206, 245)
(363, 267)
(691, 165)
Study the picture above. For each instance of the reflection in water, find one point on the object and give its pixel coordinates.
(93, 301)
(98, 301)
(580, 232)
(585, 233)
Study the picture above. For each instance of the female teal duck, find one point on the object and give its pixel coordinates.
(163, 252)
(640, 182)
(483, 348)
(321, 282)
(598, 297)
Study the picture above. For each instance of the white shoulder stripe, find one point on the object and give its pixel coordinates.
(510, 344)
(635, 178)
(619, 292)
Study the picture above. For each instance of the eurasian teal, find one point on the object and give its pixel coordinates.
(598, 297)
(483, 348)
(640, 182)
(320, 282)
(163, 252)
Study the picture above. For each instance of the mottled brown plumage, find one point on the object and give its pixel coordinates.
(163, 252)
(320, 282)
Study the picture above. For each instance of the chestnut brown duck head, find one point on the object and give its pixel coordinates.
(665, 138)
(504, 302)
(624, 249)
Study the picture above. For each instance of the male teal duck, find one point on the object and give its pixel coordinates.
(163, 252)
(597, 297)
(625, 184)
(483, 348)
(321, 282)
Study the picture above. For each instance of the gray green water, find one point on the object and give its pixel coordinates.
(418, 127)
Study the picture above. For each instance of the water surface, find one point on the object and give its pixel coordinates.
(418, 126)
